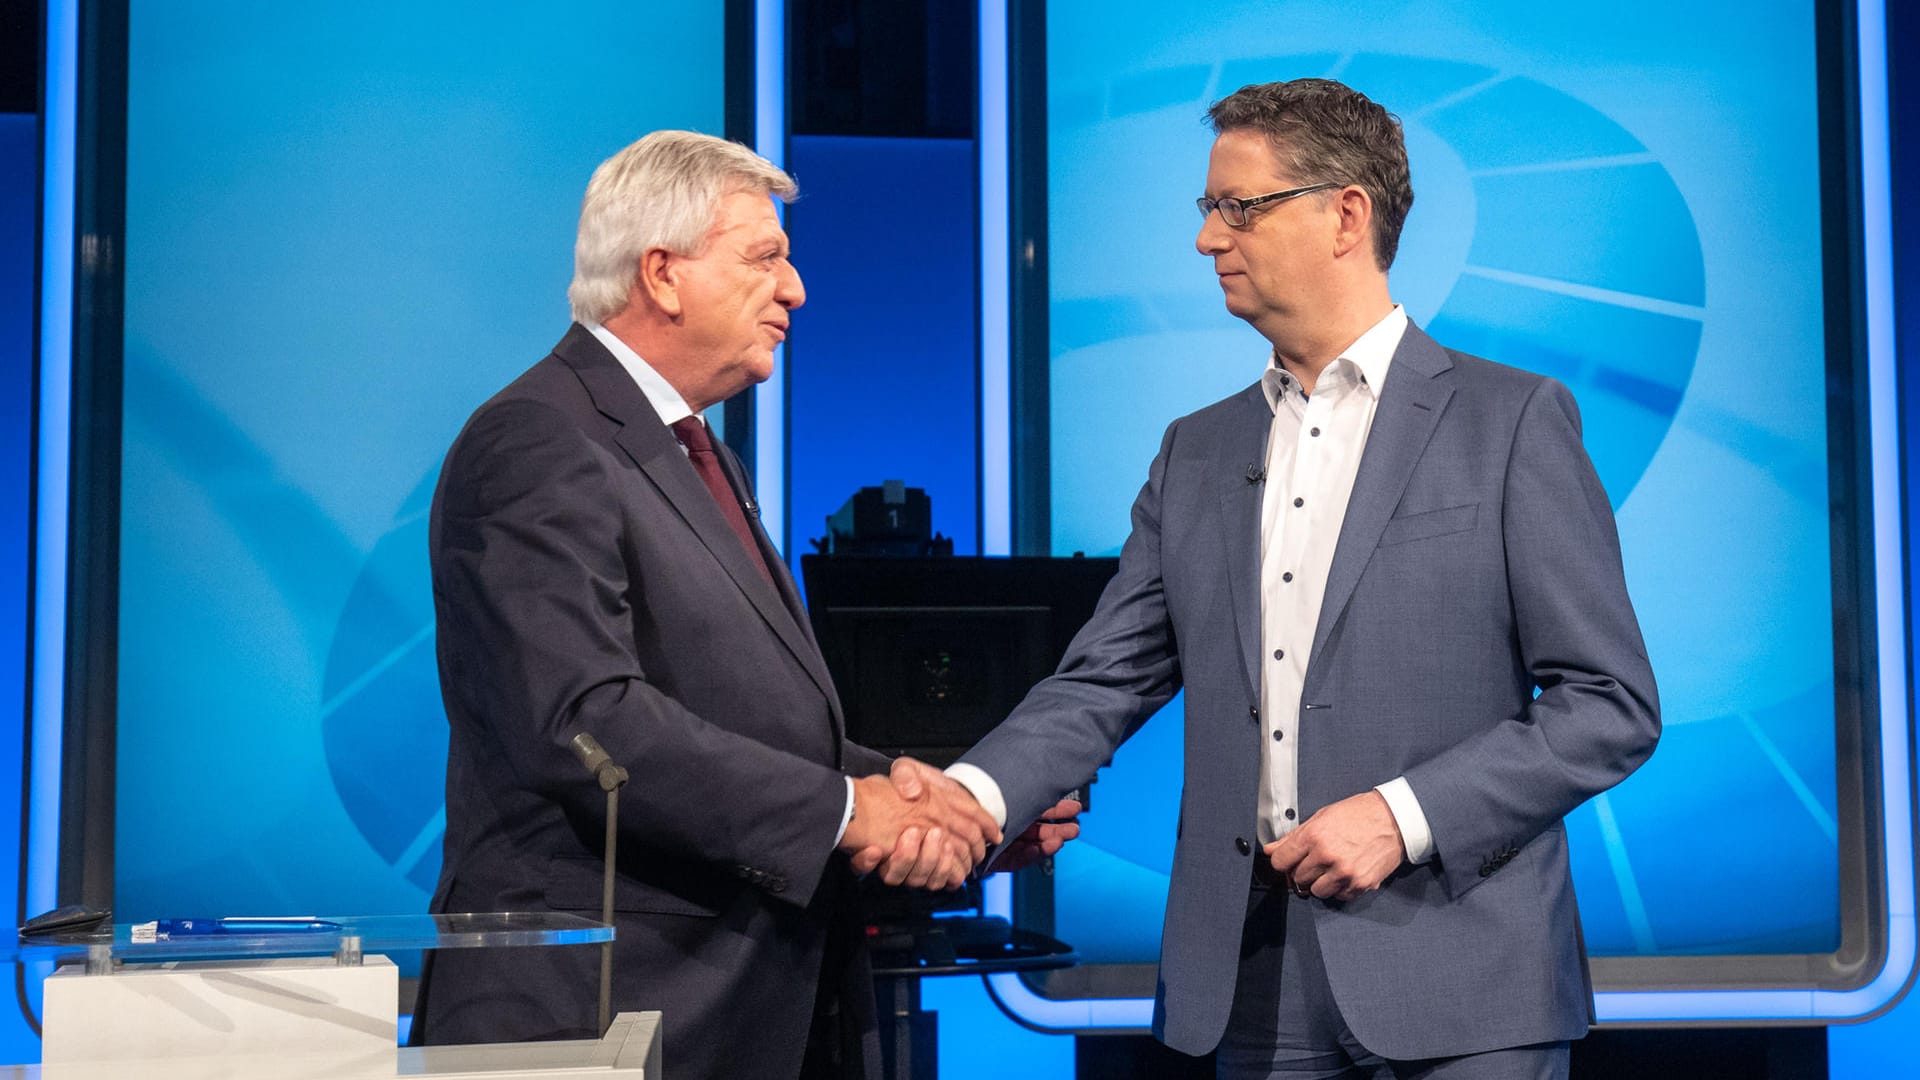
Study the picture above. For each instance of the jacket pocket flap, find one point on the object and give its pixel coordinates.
(1429, 524)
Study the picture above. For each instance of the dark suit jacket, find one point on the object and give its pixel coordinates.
(585, 580)
(1477, 563)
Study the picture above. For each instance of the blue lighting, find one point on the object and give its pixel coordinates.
(996, 400)
(50, 511)
(1064, 1015)
(770, 141)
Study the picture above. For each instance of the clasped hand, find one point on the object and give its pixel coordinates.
(919, 827)
(1342, 851)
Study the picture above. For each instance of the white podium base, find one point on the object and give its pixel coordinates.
(630, 1050)
(144, 1012)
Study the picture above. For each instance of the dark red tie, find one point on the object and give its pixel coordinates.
(692, 433)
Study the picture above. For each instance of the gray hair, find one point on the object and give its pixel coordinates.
(660, 192)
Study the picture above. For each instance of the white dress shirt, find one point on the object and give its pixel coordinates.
(1313, 453)
(660, 393)
(672, 409)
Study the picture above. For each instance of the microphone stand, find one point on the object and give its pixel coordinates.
(611, 778)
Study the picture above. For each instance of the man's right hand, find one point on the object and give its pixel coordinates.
(930, 838)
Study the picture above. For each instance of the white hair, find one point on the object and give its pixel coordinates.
(660, 192)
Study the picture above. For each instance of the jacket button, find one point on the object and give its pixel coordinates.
(1241, 843)
(1486, 870)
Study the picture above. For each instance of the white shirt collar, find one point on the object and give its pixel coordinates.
(660, 393)
(1370, 355)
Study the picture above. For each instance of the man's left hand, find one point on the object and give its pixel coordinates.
(1043, 839)
(1343, 850)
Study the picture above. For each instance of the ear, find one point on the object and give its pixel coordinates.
(658, 282)
(1355, 227)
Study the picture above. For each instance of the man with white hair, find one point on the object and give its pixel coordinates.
(598, 568)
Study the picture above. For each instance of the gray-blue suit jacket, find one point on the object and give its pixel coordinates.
(1478, 563)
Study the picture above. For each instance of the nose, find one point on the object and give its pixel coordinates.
(788, 291)
(1215, 237)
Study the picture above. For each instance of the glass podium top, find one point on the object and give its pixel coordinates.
(255, 938)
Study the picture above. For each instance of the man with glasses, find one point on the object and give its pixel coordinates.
(1387, 578)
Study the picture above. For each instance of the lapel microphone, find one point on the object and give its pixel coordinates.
(1256, 474)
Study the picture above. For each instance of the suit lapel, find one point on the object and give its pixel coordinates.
(1409, 410)
(653, 448)
(1244, 447)
(810, 657)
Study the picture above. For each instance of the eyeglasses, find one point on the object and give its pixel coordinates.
(1234, 211)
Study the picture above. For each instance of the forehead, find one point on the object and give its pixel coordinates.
(1243, 158)
(745, 216)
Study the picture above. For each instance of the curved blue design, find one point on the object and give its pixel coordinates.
(381, 719)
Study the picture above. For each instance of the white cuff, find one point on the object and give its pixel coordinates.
(846, 817)
(984, 790)
(1411, 819)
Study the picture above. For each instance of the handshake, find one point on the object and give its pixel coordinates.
(919, 827)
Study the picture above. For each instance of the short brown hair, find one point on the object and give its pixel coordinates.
(1324, 131)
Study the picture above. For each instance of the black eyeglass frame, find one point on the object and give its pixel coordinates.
(1231, 207)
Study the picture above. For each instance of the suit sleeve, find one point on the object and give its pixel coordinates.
(1119, 670)
(1597, 714)
(857, 760)
(537, 620)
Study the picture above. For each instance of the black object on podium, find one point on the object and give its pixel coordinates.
(930, 653)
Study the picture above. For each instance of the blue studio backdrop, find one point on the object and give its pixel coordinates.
(347, 225)
(1638, 216)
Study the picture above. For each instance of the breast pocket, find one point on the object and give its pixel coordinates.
(1432, 523)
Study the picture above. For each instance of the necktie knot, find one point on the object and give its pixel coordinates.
(692, 433)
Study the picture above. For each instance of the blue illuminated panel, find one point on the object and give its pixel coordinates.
(770, 397)
(19, 205)
(880, 376)
(346, 227)
(1584, 209)
(53, 406)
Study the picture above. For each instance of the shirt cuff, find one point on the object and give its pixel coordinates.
(1411, 819)
(984, 790)
(846, 817)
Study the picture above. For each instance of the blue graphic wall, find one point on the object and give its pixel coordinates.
(347, 225)
(19, 188)
(1635, 214)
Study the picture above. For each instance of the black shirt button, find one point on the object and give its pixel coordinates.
(1315, 433)
(1241, 843)
(1288, 576)
(1277, 736)
(1299, 502)
(1289, 813)
(1279, 654)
